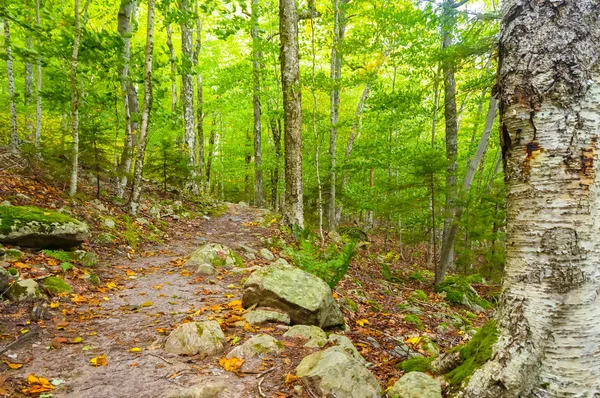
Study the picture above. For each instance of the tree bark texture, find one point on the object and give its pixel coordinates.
(38, 105)
(14, 138)
(293, 207)
(199, 102)
(256, 58)
(28, 97)
(75, 101)
(548, 316)
(147, 108)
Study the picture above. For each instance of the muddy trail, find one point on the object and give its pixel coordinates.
(121, 326)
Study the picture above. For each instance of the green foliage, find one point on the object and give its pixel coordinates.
(55, 286)
(414, 320)
(419, 295)
(330, 265)
(417, 276)
(416, 364)
(458, 289)
(474, 354)
(60, 255)
(388, 275)
(66, 266)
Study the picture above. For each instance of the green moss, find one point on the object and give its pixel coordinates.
(239, 261)
(417, 276)
(419, 295)
(54, 285)
(457, 289)
(351, 304)
(413, 319)
(13, 255)
(18, 215)
(474, 354)
(388, 275)
(416, 364)
(93, 279)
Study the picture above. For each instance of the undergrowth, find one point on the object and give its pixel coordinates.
(458, 289)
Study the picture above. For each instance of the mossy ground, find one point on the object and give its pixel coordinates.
(54, 285)
(457, 288)
(15, 215)
(416, 364)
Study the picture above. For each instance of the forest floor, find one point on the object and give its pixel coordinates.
(106, 340)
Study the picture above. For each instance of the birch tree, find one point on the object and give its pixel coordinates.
(14, 138)
(549, 93)
(38, 96)
(28, 97)
(147, 108)
(293, 206)
(75, 101)
(256, 58)
(199, 99)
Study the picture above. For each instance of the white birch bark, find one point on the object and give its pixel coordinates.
(172, 64)
(293, 206)
(199, 102)
(548, 317)
(147, 108)
(28, 79)
(14, 138)
(38, 106)
(75, 101)
(256, 57)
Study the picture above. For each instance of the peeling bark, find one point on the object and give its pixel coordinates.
(549, 85)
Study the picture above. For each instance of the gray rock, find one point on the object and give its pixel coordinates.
(248, 249)
(4, 279)
(13, 255)
(213, 387)
(154, 211)
(98, 205)
(142, 221)
(266, 254)
(345, 343)
(334, 236)
(416, 385)
(24, 290)
(41, 228)
(5, 203)
(316, 336)
(334, 372)
(281, 262)
(254, 349)
(216, 255)
(105, 239)
(405, 352)
(204, 338)
(259, 316)
(22, 196)
(243, 270)
(109, 223)
(206, 269)
(243, 204)
(304, 297)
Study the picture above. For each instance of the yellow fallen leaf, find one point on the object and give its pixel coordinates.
(24, 331)
(111, 285)
(135, 349)
(130, 273)
(147, 304)
(99, 361)
(77, 340)
(105, 298)
(13, 365)
(414, 340)
(231, 364)
(362, 322)
(185, 272)
(290, 378)
(38, 385)
(54, 304)
(229, 295)
(235, 304)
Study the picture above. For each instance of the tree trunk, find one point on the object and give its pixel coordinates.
(256, 57)
(187, 88)
(38, 106)
(14, 138)
(211, 152)
(199, 101)
(276, 130)
(147, 108)
(28, 78)
(293, 207)
(75, 102)
(549, 88)
(431, 252)
(125, 27)
(448, 22)
(173, 75)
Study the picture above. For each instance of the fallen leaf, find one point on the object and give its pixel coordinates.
(14, 366)
(290, 378)
(147, 304)
(362, 322)
(54, 304)
(38, 385)
(414, 340)
(77, 340)
(231, 364)
(99, 361)
(135, 349)
(111, 285)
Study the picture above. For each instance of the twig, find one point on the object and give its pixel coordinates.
(32, 333)
(159, 357)
(174, 382)
(259, 389)
(308, 390)
(265, 372)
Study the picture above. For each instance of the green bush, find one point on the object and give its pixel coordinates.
(413, 319)
(458, 288)
(416, 364)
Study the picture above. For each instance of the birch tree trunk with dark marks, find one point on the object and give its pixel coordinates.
(256, 58)
(199, 100)
(14, 138)
(448, 22)
(187, 88)
(548, 316)
(75, 102)
(293, 206)
(28, 97)
(147, 108)
(339, 30)
(173, 70)
(125, 27)
(38, 96)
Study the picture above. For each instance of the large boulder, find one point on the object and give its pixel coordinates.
(204, 338)
(258, 317)
(5, 278)
(416, 385)
(55, 286)
(213, 387)
(314, 336)
(215, 255)
(335, 372)
(254, 350)
(24, 290)
(35, 227)
(303, 296)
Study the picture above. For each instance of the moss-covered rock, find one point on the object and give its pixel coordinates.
(35, 227)
(55, 286)
(4, 279)
(316, 336)
(255, 348)
(204, 338)
(216, 255)
(13, 255)
(24, 290)
(416, 385)
(105, 239)
(458, 290)
(259, 316)
(416, 364)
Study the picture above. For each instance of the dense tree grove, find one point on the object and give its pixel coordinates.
(362, 114)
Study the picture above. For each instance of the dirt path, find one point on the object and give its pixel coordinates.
(140, 301)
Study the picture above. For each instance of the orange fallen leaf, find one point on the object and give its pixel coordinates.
(362, 322)
(99, 361)
(231, 364)
(13, 365)
(38, 385)
(290, 378)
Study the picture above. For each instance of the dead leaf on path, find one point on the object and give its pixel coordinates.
(414, 340)
(62, 325)
(135, 349)
(146, 304)
(130, 273)
(362, 322)
(111, 285)
(290, 378)
(76, 340)
(38, 385)
(185, 272)
(99, 361)
(78, 299)
(231, 364)
(14, 366)
(54, 304)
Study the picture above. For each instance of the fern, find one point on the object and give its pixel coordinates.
(59, 255)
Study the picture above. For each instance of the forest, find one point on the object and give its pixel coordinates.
(429, 164)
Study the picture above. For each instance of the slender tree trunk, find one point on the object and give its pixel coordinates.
(211, 152)
(248, 161)
(293, 207)
(28, 78)
(147, 108)
(125, 28)
(548, 316)
(14, 138)
(339, 29)
(448, 22)
(75, 102)
(276, 130)
(431, 257)
(256, 58)
(38, 106)
(173, 66)
(199, 101)
(187, 88)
